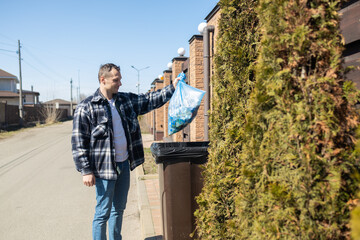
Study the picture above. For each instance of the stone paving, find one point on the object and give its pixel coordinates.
(153, 193)
(151, 183)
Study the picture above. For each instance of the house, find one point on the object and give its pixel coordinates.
(8, 90)
(30, 97)
(60, 104)
(10, 94)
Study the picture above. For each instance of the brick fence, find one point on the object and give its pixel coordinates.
(9, 114)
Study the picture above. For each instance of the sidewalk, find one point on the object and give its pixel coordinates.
(149, 199)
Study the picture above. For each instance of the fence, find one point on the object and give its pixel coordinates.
(9, 114)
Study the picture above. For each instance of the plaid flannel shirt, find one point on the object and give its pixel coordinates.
(92, 137)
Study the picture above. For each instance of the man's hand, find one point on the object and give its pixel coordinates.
(176, 81)
(89, 180)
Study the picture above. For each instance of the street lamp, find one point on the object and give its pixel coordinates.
(181, 52)
(138, 71)
(201, 27)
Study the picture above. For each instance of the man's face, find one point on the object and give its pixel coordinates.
(112, 81)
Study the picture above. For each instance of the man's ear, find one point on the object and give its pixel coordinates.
(102, 79)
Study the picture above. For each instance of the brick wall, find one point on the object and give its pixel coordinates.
(151, 120)
(213, 19)
(167, 80)
(159, 116)
(148, 120)
(177, 67)
(196, 77)
(9, 114)
(33, 114)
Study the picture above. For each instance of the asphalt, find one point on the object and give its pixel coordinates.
(42, 195)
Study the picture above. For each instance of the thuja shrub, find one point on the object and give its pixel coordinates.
(355, 213)
(298, 168)
(232, 84)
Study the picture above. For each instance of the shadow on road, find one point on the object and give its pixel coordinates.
(159, 237)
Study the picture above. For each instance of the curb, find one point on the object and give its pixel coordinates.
(146, 222)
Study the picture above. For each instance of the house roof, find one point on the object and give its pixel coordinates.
(58, 100)
(8, 94)
(29, 92)
(6, 75)
(212, 13)
(157, 80)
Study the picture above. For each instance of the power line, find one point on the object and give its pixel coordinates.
(8, 44)
(60, 55)
(58, 75)
(44, 65)
(37, 69)
(8, 38)
(7, 50)
(45, 50)
(8, 55)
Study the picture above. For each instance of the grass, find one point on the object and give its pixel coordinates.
(17, 129)
(150, 167)
(50, 114)
(6, 134)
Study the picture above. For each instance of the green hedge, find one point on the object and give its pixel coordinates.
(232, 85)
(282, 162)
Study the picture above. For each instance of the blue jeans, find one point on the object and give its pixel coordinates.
(111, 197)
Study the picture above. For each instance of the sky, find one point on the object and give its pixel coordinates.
(70, 39)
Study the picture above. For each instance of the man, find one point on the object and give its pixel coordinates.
(106, 144)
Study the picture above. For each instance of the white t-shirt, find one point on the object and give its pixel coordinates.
(121, 153)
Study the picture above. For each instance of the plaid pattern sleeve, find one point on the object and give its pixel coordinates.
(144, 103)
(134, 105)
(80, 140)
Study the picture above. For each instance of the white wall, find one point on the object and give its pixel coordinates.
(11, 101)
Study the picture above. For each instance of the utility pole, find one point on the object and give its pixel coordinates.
(138, 72)
(20, 89)
(71, 99)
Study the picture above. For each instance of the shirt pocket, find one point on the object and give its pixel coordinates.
(101, 129)
(133, 122)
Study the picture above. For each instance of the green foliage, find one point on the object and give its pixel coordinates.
(355, 213)
(232, 85)
(282, 162)
(355, 223)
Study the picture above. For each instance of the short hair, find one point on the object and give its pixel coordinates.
(106, 68)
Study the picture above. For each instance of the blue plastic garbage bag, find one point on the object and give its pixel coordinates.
(183, 105)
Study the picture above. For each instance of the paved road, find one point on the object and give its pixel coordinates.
(41, 193)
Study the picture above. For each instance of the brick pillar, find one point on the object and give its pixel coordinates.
(213, 19)
(196, 68)
(177, 67)
(151, 117)
(167, 80)
(147, 120)
(159, 115)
